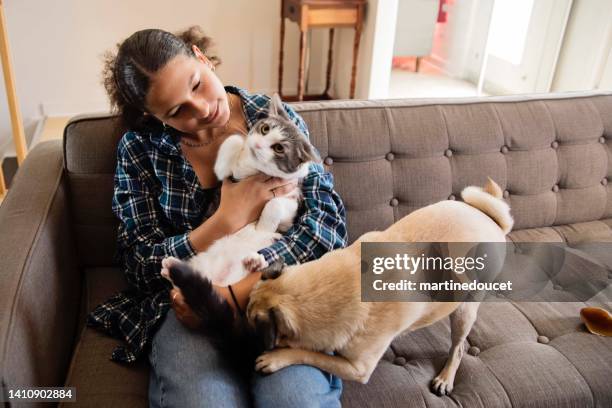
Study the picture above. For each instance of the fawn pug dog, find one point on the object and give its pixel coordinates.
(308, 310)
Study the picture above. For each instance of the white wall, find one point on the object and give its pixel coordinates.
(57, 49)
(585, 59)
(586, 48)
(606, 77)
(375, 53)
(459, 43)
(416, 20)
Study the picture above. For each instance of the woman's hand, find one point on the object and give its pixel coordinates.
(188, 318)
(184, 314)
(242, 202)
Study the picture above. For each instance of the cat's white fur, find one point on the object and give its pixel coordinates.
(231, 258)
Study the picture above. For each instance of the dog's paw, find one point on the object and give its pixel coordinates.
(166, 264)
(441, 385)
(272, 361)
(254, 262)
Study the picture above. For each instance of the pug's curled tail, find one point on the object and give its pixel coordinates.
(489, 201)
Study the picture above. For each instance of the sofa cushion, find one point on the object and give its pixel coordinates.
(514, 349)
(540, 350)
(98, 380)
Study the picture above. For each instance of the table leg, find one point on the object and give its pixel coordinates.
(356, 52)
(329, 62)
(303, 46)
(281, 54)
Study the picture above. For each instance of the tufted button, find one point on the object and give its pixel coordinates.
(329, 161)
(452, 197)
(473, 351)
(602, 139)
(506, 194)
(394, 202)
(400, 361)
(504, 149)
(604, 181)
(554, 144)
(557, 287)
(448, 152)
(543, 339)
(555, 188)
(390, 156)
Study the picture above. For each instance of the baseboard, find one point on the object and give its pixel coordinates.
(437, 64)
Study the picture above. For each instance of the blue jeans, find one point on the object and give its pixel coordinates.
(187, 371)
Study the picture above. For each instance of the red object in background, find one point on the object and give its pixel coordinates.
(442, 12)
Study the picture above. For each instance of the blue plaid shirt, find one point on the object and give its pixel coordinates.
(158, 200)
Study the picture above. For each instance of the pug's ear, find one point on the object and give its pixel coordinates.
(285, 321)
(265, 327)
(277, 108)
(273, 271)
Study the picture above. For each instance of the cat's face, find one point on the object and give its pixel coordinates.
(277, 144)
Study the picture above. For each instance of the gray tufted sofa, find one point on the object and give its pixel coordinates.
(551, 154)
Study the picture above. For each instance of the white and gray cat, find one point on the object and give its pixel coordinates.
(276, 147)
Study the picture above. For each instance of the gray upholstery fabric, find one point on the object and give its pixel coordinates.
(40, 284)
(536, 150)
(551, 154)
(123, 385)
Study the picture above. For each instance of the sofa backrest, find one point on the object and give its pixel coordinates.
(552, 156)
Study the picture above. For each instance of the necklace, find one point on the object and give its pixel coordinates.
(225, 128)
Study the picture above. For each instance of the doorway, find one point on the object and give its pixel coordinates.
(476, 47)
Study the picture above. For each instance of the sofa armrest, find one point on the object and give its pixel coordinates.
(40, 286)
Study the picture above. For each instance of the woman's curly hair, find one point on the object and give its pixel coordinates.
(126, 73)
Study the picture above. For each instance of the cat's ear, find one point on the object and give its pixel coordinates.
(307, 153)
(277, 108)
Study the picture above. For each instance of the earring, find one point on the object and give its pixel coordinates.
(164, 125)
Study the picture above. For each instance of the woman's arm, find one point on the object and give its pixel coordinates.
(241, 203)
(146, 236)
(320, 227)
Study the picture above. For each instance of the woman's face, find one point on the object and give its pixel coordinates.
(188, 96)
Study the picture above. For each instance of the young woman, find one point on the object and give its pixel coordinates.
(170, 203)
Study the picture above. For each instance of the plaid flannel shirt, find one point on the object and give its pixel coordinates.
(158, 200)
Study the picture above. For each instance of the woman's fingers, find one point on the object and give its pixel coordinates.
(183, 312)
(264, 186)
(279, 187)
(178, 301)
(284, 189)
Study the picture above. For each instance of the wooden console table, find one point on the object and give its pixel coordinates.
(315, 14)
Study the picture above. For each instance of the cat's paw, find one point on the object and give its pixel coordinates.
(254, 262)
(166, 264)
